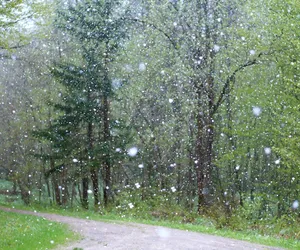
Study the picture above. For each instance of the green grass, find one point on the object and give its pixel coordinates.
(4, 184)
(202, 225)
(265, 234)
(21, 232)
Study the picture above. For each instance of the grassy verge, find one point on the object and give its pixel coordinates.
(20, 231)
(202, 225)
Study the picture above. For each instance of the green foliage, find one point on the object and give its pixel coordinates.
(14, 17)
(152, 84)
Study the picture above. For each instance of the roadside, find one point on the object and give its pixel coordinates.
(101, 235)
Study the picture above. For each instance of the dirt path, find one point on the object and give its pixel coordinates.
(100, 235)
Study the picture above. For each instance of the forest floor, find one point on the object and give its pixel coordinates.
(120, 235)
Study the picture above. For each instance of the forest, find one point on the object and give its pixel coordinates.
(157, 108)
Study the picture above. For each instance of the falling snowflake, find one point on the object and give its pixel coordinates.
(130, 205)
(216, 48)
(295, 204)
(132, 151)
(137, 185)
(256, 111)
(141, 165)
(267, 151)
(142, 67)
(163, 232)
(252, 52)
(75, 160)
(173, 189)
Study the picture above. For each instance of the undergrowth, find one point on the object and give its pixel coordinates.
(242, 223)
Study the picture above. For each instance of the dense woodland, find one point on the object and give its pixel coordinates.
(145, 105)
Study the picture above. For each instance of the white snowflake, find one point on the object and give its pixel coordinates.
(295, 204)
(267, 151)
(132, 151)
(142, 67)
(256, 111)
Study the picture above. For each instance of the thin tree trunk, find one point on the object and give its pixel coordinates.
(94, 178)
(106, 129)
(107, 166)
(64, 191)
(85, 187)
(55, 184)
(93, 170)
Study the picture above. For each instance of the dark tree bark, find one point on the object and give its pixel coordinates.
(85, 187)
(55, 182)
(107, 165)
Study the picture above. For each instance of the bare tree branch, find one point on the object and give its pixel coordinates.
(231, 77)
(156, 28)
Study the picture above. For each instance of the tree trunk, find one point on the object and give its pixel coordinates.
(85, 187)
(55, 183)
(94, 178)
(64, 191)
(106, 128)
(204, 142)
(93, 169)
(107, 166)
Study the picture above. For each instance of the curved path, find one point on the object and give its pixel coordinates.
(101, 235)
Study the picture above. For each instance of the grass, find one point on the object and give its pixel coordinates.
(201, 225)
(4, 184)
(21, 232)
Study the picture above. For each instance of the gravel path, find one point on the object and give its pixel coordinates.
(111, 236)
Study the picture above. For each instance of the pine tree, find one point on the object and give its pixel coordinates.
(98, 28)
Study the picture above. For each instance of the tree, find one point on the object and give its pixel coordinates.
(200, 35)
(98, 27)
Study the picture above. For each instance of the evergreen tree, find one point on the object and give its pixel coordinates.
(98, 28)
